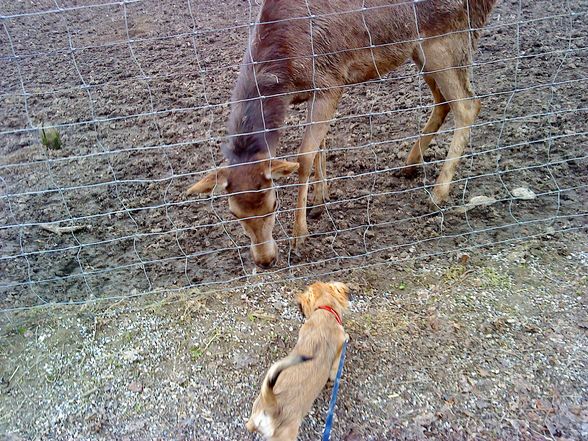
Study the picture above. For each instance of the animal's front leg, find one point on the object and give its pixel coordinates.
(320, 187)
(335, 365)
(300, 230)
(320, 112)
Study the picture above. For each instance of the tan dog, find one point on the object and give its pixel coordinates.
(287, 395)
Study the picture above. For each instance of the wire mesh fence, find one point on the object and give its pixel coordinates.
(139, 93)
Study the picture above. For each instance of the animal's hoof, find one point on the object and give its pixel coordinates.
(316, 211)
(410, 172)
(298, 237)
(296, 252)
(439, 196)
(296, 244)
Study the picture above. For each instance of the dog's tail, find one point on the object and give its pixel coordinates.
(267, 390)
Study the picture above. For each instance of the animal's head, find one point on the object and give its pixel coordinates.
(252, 200)
(334, 294)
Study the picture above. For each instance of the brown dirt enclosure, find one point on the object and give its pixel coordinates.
(130, 311)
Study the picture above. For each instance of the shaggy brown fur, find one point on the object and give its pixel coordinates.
(292, 58)
(288, 390)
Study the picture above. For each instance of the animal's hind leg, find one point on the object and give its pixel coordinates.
(454, 84)
(320, 187)
(440, 111)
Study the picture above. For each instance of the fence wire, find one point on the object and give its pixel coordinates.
(140, 92)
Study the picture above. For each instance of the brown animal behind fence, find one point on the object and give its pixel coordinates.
(305, 51)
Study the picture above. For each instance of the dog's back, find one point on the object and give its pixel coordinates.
(293, 383)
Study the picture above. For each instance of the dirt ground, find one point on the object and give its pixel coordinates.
(490, 348)
(141, 121)
(494, 348)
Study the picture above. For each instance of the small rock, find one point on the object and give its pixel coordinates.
(353, 435)
(523, 193)
(483, 372)
(531, 328)
(131, 355)
(482, 404)
(464, 385)
(425, 419)
(476, 201)
(244, 360)
(434, 322)
(135, 386)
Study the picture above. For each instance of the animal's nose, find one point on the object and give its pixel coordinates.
(266, 265)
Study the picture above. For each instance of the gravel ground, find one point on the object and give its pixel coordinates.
(142, 120)
(487, 346)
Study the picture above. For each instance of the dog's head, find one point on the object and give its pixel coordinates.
(334, 294)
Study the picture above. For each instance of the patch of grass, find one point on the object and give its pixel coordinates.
(127, 337)
(380, 323)
(454, 274)
(196, 351)
(51, 138)
(493, 279)
(252, 317)
(114, 362)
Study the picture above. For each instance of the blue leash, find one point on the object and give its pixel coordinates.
(331, 412)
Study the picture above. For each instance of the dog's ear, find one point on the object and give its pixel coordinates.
(212, 182)
(341, 293)
(303, 300)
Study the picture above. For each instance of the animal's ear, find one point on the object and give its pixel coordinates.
(217, 180)
(303, 300)
(341, 293)
(282, 168)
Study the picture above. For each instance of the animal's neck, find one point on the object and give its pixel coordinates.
(258, 111)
